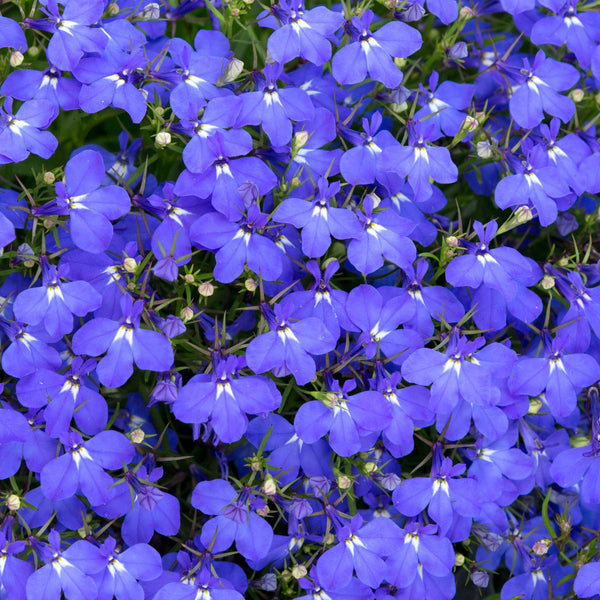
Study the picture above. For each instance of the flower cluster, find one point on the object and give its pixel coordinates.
(299, 300)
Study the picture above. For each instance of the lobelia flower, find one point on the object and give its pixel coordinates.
(420, 161)
(499, 276)
(117, 573)
(235, 519)
(112, 81)
(82, 466)
(151, 509)
(54, 303)
(537, 90)
(377, 313)
(300, 32)
(21, 133)
(48, 85)
(124, 342)
(63, 397)
(446, 497)
(423, 563)
(373, 52)
(444, 104)
(346, 418)
(11, 35)
(14, 571)
(27, 351)
(72, 34)
(360, 164)
(318, 220)
(274, 108)
(361, 549)
(535, 184)
(89, 206)
(322, 301)
(14, 432)
(287, 347)
(199, 71)
(238, 244)
(430, 302)
(59, 573)
(384, 235)
(579, 31)
(559, 374)
(172, 247)
(223, 176)
(224, 398)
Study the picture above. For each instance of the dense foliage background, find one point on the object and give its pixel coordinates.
(299, 300)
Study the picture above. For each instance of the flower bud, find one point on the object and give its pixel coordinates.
(523, 215)
(13, 502)
(535, 404)
(130, 264)
(188, 278)
(542, 546)
(163, 139)
(49, 177)
(370, 467)
(458, 51)
(255, 464)
(484, 149)
(469, 124)
(186, 314)
(206, 289)
(452, 241)
(547, 282)
(577, 95)
(160, 111)
(232, 71)
(269, 487)
(480, 578)
(376, 199)
(137, 436)
(16, 59)
(459, 559)
(579, 441)
(113, 9)
(344, 483)
(299, 571)
(33, 51)
(250, 284)
(299, 141)
(151, 12)
(263, 512)
(466, 12)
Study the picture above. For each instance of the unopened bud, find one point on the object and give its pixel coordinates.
(370, 467)
(294, 183)
(344, 483)
(130, 264)
(459, 559)
(49, 177)
(160, 111)
(376, 199)
(16, 59)
(484, 149)
(563, 262)
(137, 436)
(469, 124)
(163, 139)
(577, 95)
(206, 289)
(547, 282)
(480, 578)
(188, 278)
(232, 70)
(452, 241)
(263, 512)
(523, 215)
(250, 284)
(269, 487)
(113, 9)
(299, 141)
(565, 526)
(579, 441)
(33, 51)
(458, 51)
(186, 314)
(48, 223)
(466, 13)
(299, 571)
(151, 12)
(535, 404)
(542, 546)
(131, 286)
(13, 502)
(329, 539)
(255, 465)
